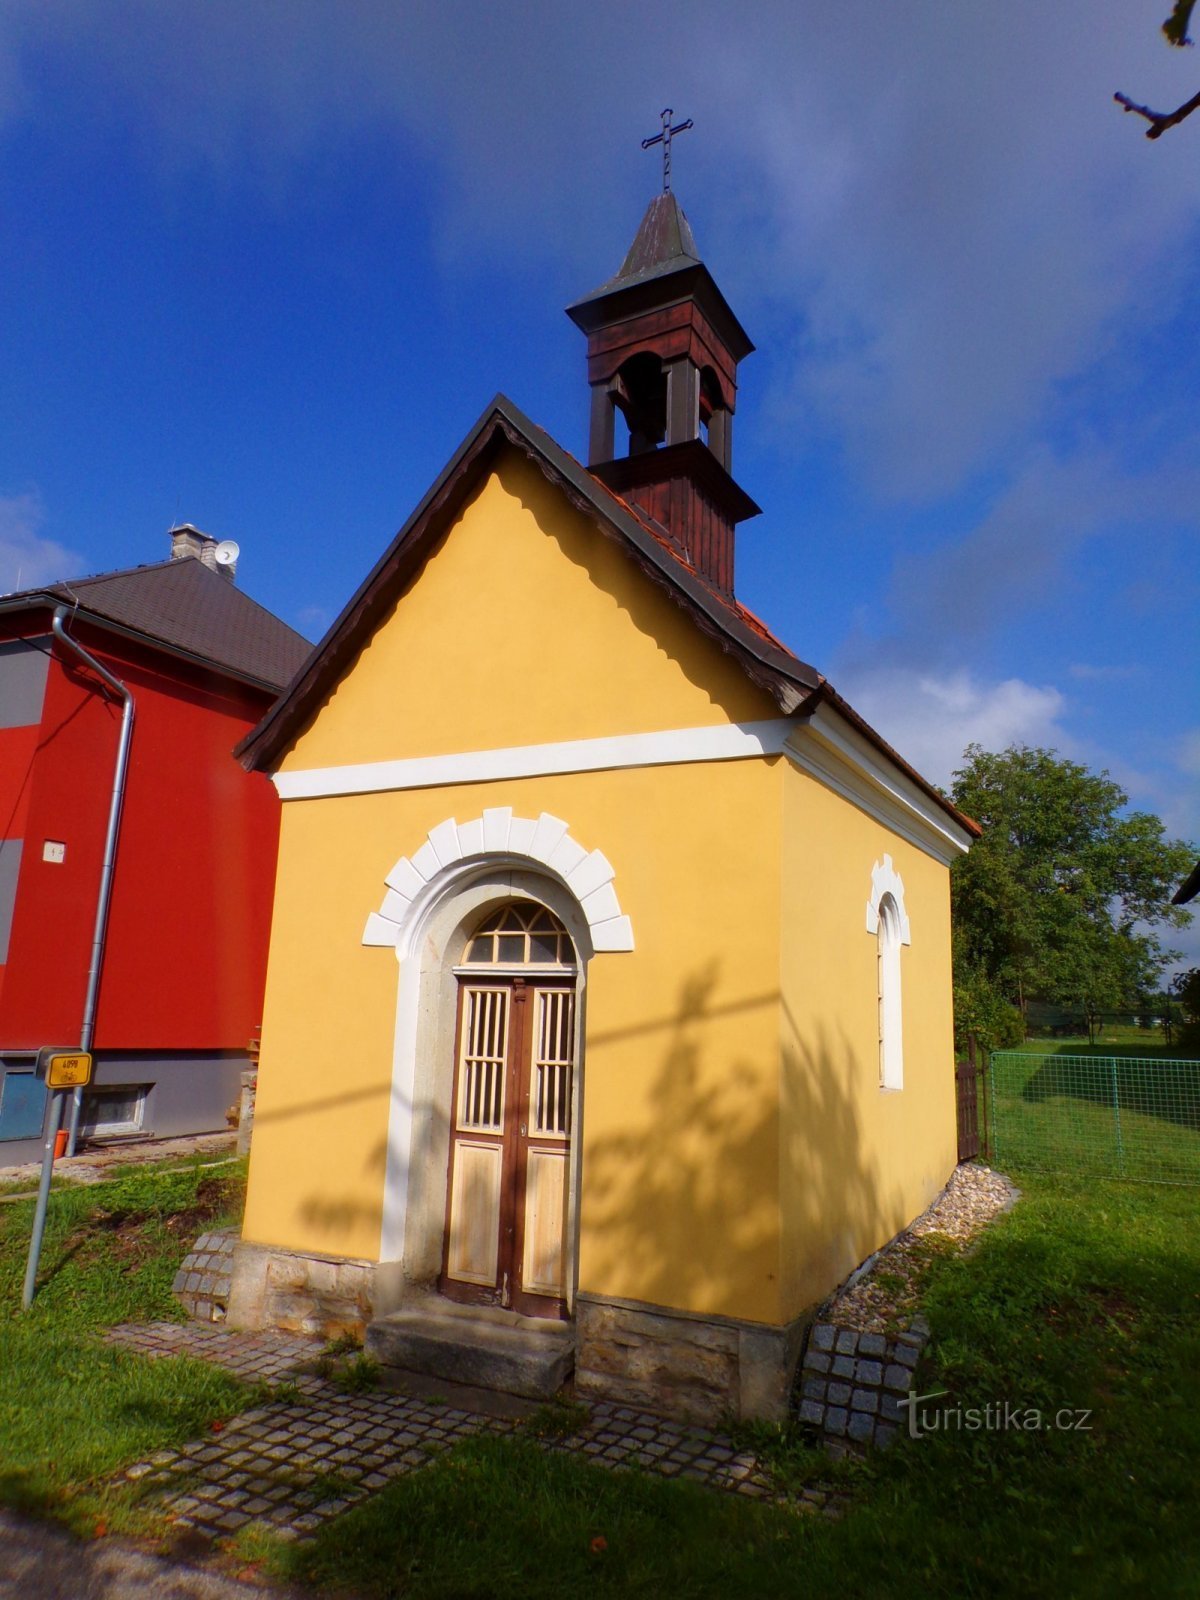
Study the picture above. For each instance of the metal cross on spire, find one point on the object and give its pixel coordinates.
(664, 138)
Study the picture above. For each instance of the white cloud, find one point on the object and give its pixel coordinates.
(946, 192)
(930, 719)
(313, 620)
(1188, 756)
(1028, 545)
(26, 559)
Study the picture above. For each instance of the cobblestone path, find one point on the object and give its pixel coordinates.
(293, 1465)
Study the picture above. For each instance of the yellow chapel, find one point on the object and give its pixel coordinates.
(608, 1012)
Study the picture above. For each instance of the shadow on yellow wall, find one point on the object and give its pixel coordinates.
(717, 1177)
(328, 1215)
(612, 566)
(737, 1191)
(834, 1212)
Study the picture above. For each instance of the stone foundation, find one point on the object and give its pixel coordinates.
(702, 1369)
(326, 1295)
(697, 1369)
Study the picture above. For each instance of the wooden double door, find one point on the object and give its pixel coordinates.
(510, 1144)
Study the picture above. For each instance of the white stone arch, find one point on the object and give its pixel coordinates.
(885, 880)
(433, 899)
(453, 850)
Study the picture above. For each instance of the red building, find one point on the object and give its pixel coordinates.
(182, 966)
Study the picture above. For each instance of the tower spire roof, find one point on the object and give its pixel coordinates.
(664, 243)
(662, 265)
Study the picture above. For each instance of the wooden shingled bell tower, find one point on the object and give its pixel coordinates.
(663, 350)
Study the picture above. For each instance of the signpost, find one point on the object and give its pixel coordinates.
(62, 1070)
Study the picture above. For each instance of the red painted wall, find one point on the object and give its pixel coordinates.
(185, 958)
(17, 747)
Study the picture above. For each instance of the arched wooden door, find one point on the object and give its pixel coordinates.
(510, 1138)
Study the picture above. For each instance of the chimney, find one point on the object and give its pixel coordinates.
(189, 541)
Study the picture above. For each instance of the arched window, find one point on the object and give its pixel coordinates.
(887, 920)
(518, 935)
(891, 1027)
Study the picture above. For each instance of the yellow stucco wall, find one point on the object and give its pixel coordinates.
(881, 1155)
(528, 626)
(749, 995)
(680, 1137)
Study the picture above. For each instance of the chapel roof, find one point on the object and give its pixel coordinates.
(187, 608)
(795, 686)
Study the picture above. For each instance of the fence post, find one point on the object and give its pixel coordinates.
(985, 1121)
(1117, 1118)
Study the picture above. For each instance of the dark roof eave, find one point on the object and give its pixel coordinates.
(643, 292)
(1189, 888)
(46, 599)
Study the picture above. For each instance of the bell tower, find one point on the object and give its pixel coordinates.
(663, 351)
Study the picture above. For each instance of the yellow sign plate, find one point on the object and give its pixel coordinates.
(68, 1070)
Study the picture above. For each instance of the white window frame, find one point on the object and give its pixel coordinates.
(887, 920)
(114, 1130)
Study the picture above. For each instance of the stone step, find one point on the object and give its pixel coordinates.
(487, 1348)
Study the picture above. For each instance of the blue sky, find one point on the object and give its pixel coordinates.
(264, 263)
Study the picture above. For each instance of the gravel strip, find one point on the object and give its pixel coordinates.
(883, 1296)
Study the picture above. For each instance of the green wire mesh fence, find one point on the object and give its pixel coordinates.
(1111, 1116)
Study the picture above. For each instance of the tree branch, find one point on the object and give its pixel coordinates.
(1159, 121)
(1177, 24)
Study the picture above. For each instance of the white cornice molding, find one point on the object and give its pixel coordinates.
(830, 750)
(727, 741)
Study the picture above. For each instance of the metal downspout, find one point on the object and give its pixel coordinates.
(110, 853)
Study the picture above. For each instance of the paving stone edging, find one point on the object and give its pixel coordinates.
(851, 1384)
(292, 1466)
(202, 1283)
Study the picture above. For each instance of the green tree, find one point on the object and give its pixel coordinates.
(1062, 897)
(1185, 988)
(1175, 31)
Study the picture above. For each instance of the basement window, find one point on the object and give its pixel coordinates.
(108, 1113)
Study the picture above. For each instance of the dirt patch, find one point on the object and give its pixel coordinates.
(213, 1197)
(128, 1232)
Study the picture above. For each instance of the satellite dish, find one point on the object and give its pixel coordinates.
(227, 552)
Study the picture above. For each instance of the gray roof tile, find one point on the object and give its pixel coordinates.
(186, 606)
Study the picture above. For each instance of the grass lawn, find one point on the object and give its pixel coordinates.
(1082, 1298)
(72, 1410)
(1114, 1040)
(1112, 1114)
(1085, 1297)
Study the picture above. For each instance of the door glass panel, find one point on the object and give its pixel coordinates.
(553, 1051)
(484, 1046)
